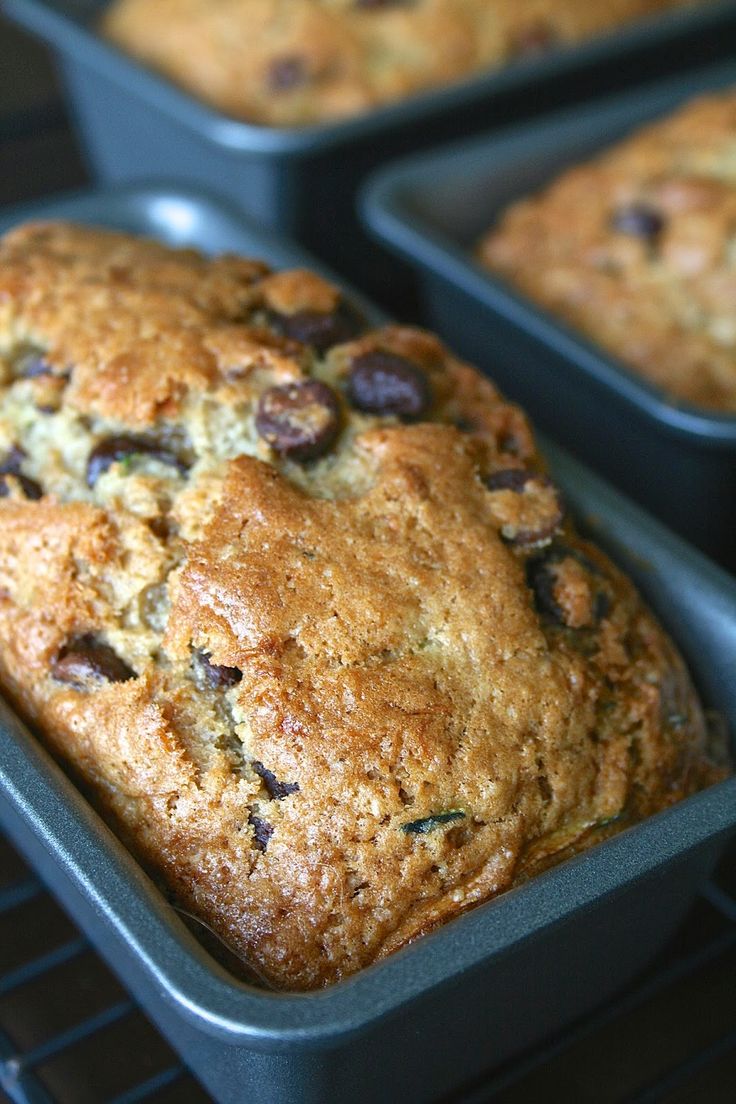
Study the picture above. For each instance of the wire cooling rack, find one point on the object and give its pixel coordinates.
(71, 1034)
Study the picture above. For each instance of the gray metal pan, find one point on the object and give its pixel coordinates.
(677, 460)
(135, 124)
(486, 986)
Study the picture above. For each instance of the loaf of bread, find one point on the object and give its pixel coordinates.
(296, 62)
(296, 600)
(636, 250)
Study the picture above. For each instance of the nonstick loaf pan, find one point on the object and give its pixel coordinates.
(135, 124)
(445, 1010)
(677, 460)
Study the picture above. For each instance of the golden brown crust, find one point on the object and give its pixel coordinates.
(333, 702)
(295, 62)
(635, 249)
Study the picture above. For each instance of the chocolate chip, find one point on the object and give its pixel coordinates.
(85, 658)
(465, 425)
(164, 527)
(384, 383)
(287, 73)
(30, 488)
(28, 361)
(13, 460)
(601, 606)
(218, 677)
(638, 220)
(262, 831)
(510, 479)
(319, 329)
(540, 498)
(111, 450)
(544, 582)
(10, 466)
(299, 420)
(509, 442)
(277, 791)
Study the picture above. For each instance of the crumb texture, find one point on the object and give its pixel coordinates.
(297, 601)
(296, 62)
(636, 249)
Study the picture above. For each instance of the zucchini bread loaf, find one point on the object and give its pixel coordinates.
(297, 602)
(295, 62)
(636, 250)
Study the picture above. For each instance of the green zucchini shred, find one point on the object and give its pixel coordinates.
(127, 462)
(606, 821)
(429, 824)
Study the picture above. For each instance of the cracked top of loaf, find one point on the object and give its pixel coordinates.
(297, 601)
(296, 62)
(637, 249)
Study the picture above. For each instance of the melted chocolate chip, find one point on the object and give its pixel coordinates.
(11, 466)
(85, 658)
(111, 450)
(287, 73)
(262, 831)
(548, 508)
(299, 420)
(511, 479)
(276, 790)
(384, 383)
(218, 676)
(319, 329)
(638, 220)
(542, 580)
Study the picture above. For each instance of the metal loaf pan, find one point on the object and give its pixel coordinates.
(676, 459)
(488, 985)
(135, 124)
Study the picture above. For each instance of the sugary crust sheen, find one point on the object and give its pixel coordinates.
(636, 249)
(295, 62)
(332, 701)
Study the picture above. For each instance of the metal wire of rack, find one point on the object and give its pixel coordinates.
(70, 1034)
